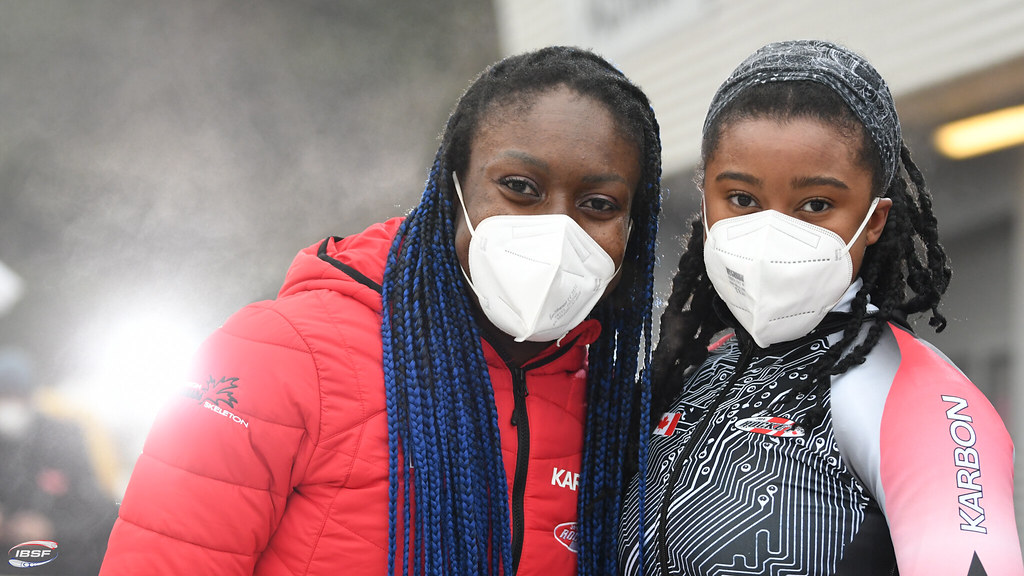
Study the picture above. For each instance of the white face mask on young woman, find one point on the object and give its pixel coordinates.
(779, 275)
(536, 276)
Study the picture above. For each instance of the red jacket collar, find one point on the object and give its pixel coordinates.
(570, 350)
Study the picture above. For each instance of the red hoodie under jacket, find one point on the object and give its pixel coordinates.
(275, 459)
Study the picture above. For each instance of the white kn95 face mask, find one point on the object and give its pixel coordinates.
(779, 275)
(536, 276)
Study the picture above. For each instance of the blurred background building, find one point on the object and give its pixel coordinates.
(161, 163)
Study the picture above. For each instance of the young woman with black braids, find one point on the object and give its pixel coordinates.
(819, 436)
(441, 393)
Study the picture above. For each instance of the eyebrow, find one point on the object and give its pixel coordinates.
(811, 181)
(799, 182)
(599, 178)
(740, 176)
(523, 156)
(534, 161)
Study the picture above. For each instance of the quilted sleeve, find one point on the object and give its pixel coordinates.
(210, 486)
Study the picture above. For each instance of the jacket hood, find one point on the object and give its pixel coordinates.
(353, 266)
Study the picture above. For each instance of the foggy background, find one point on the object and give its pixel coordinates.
(162, 162)
(173, 156)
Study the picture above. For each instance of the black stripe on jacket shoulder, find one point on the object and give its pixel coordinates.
(352, 272)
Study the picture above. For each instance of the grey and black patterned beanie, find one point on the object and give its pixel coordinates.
(848, 74)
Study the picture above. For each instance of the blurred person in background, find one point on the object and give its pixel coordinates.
(444, 393)
(48, 486)
(820, 435)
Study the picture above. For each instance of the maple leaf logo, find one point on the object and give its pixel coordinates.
(219, 391)
(667, 424)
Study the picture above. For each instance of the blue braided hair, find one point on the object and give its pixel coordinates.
(440, 404)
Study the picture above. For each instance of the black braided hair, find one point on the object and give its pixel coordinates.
(904, 272)
(440, 404)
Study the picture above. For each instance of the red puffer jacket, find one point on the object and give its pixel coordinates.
(276, 461)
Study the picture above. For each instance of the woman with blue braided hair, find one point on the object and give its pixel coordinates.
(819, 435)
(443, 393)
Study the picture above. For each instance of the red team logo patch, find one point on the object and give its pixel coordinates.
(565, 533)
(771, 426)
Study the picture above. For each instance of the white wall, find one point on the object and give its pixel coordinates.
(679, 51)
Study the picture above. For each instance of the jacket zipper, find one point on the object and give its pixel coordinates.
(677, 465)
(521, 421)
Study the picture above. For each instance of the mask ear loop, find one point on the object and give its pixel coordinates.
(863, 223)
(462, 202)
(629, 232)
(704, 215)
(469, 224)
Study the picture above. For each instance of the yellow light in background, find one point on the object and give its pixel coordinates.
(981, 134)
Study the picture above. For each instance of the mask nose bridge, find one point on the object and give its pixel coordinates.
(561, 207)
(799, 231)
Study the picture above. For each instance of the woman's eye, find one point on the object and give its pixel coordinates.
(817, 205)
(519, 186)
(743, 200)
(601, 204)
